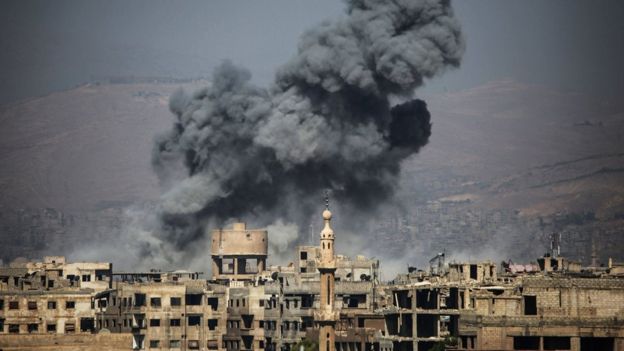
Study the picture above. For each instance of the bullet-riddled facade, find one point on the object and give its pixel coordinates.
(552, 304)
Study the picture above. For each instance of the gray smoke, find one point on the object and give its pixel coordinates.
(327, 122)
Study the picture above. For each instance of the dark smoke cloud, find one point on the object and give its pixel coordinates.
(327, 122)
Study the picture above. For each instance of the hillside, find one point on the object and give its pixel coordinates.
(506, 162)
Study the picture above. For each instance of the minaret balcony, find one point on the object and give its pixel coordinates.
(326, 265)
(326, 315)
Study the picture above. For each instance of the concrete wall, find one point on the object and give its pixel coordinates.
(82, 342)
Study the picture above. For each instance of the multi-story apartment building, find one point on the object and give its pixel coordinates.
(553, 304)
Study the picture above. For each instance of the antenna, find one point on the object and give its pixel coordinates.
(327, 199)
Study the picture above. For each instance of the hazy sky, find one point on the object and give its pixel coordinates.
(52, 45)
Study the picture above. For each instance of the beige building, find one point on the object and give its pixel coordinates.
(330, 299)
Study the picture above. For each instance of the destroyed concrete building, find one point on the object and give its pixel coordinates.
(51, 303)
(552, 304)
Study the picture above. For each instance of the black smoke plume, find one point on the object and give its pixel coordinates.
(326, 122)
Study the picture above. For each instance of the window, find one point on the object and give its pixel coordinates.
(139, 299)
(70, 328)
(557, 343)
(174, 343)
(176, 301)
(86, 277)
(214, 303)
(303, 255)
(51, 305)
(530, 305)
(261, 302)
(13, 328)
(194, 299)
(51, 328)
(154, 323)
(154, 344)
(32, 305)
(212, 324)
(213, 345)
(13, 305)
(194, 321)
(87, 324)
(70, 304)
(193, 344)
(174, 322)
(155, 301)
(33, 328)
(1, 304)
(526, 343)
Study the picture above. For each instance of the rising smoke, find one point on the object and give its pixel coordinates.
(326, 122)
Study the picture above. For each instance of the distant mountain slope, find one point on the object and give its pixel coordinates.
(82, 148)
(507, 164)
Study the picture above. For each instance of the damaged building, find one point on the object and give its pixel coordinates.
(552, 304)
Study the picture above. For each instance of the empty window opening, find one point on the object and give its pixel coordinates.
(247, 321)
(154, 344)
(526, 342)
(193, 299)
(13, 305)
(355, 301)
(32, 305)
(194, 320)
(597, 344)
(452, 301)
(14, 329)
(174, 322)
(403, 299)
(176, 301)
(406, 325)
(33, 328)
(303, 255)
(51, 305)
(426, 325)
(139, 299)
(51, 328)
(213, 302)
(427, 299)
(101, 274)
(473, 271)
(530, 305)
(87, 325)
(70, 304)
(154, 322)
(307, 301)
(155, 302)
(556, 343)
(227, 266)
(248, 265)
(212, 324)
